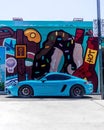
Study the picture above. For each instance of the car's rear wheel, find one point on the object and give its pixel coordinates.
(77, 91)
(25, 91)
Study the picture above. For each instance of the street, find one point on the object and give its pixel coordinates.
(4, 97)
(51, 113)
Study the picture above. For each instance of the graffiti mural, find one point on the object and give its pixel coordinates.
(31, 53)
(20, 50)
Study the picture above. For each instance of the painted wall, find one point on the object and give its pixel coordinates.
(33, 48)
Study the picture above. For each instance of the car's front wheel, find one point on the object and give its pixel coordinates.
(77, 91)
(25, 91)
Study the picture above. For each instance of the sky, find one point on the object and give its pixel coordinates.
(57, 10)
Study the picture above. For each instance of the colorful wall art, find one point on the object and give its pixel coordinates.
(34, 48)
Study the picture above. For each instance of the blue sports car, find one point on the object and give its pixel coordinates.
(52, 84)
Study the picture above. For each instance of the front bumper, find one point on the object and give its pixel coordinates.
(89, 89)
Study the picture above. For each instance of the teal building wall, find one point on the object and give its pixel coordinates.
(32, 48)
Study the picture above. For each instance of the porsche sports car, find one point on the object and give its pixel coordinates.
(52, 84)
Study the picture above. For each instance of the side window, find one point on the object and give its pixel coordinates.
(57, 77)
(50, 77)
(65, 77)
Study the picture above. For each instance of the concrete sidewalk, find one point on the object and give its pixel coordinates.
(52, 114)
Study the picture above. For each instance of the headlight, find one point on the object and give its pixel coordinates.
(87, 82)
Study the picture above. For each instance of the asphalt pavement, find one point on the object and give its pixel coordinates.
(51, 113)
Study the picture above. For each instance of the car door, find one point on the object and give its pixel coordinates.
(53, 85)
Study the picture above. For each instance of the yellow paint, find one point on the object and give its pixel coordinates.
(85, 78)
(32, 35)
(71, 41)
(43, 65)
(56, 33)
(91, 56)
(63, 35)
(47, 47)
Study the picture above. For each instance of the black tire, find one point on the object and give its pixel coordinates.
(25, 91)
(77, 91)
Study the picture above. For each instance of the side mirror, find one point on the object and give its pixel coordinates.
(43, 80)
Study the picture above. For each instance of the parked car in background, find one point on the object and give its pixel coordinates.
(52, 84)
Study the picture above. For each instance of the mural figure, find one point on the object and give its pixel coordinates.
(58, 45)
(87, 70)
